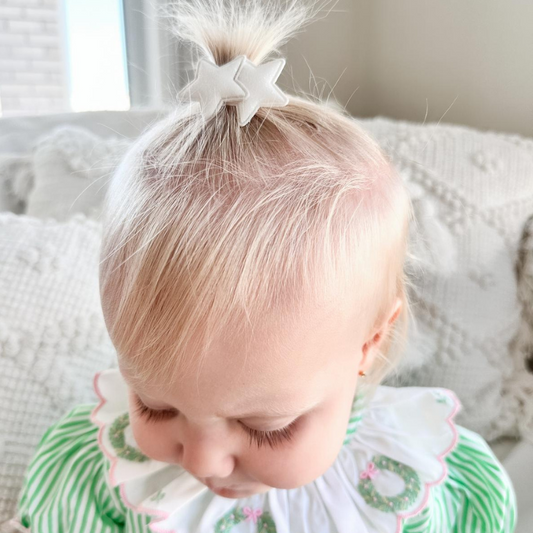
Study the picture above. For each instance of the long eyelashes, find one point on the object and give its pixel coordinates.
(272, 438)
(152, 415)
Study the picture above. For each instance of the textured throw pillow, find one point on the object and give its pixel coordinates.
(52, 333)
(72, 167)
(472, 192)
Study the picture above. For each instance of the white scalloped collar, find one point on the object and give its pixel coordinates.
(383, 473)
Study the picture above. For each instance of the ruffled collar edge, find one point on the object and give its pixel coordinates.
(158, 515)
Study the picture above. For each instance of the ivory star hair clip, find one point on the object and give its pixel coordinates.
(239, 83)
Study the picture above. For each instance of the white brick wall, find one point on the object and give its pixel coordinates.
(32, 66)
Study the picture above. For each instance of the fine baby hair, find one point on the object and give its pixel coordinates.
(212, 227)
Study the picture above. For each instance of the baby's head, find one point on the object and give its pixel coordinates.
(249, 274)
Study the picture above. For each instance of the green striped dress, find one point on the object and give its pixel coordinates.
(67, 488)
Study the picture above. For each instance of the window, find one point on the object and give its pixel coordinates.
(96, 54)
(62, 55)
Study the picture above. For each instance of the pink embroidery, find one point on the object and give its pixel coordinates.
(251, 514)
(371, 471)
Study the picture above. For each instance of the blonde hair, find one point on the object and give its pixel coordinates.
(210, 227)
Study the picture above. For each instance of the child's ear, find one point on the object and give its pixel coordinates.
(372, 345)
(395, 312)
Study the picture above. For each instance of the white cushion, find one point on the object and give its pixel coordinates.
(472, 192)
(52, 333)
(72, 168)
(19, 135)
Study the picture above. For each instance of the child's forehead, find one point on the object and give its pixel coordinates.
(290, 363)
(261, 390)
(235, 381)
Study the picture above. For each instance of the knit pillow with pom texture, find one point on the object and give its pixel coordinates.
(472, 193)
(52, 333)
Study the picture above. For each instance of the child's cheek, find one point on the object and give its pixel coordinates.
(313, 452)
(295, 470)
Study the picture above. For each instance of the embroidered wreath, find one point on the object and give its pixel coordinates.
(118, 440)
(389, 504)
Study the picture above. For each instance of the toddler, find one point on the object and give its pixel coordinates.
(252, 282)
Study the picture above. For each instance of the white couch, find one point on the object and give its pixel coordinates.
(54, 179)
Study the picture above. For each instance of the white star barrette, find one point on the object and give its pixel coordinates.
(239, 83)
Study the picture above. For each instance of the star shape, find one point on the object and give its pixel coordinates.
(215, 85)
(259, 81)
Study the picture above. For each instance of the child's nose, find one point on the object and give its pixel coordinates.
(204, 455)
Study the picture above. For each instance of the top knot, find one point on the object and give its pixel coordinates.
(225, 29)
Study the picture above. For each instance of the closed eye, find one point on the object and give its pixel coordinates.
(273, 438)
(153, 415)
